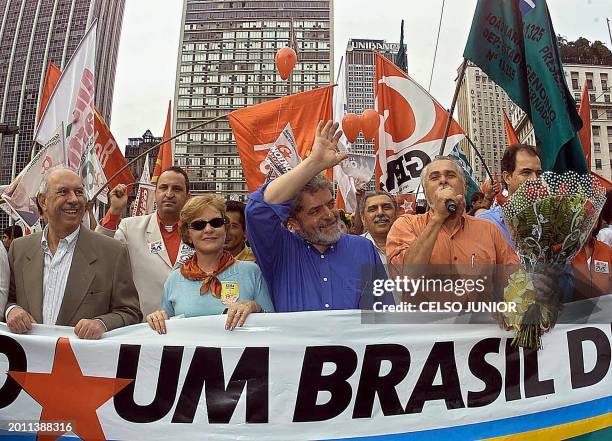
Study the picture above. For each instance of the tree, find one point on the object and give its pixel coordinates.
(582, 51)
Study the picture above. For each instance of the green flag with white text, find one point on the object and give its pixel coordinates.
(514, 43)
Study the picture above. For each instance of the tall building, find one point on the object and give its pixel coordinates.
(359, 70)
(479, 110)
(34, 33)
(598, 79)
(226, 62)
(137, 146)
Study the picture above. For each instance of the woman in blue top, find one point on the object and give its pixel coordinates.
(212, 281)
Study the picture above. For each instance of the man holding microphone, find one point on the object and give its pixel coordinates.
(446, 234)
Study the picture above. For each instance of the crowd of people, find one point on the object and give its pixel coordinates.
(288, 249)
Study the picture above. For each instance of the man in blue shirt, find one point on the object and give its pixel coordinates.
(316, 267)
(519, 163)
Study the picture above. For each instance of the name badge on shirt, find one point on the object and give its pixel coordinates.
(156, 247)
(601, 267)
(184, 254)
(230, 291)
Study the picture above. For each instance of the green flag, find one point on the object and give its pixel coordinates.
(400, 58)
(514, 43)
(470, 177)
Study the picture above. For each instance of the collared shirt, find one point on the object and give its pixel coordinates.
(171, 238)
(246, 254)
(593, 274)
(55, 273)
(170, 235)
(472, 242)
(496, 215)
(381, 253)
(299, 277)
(605, 235)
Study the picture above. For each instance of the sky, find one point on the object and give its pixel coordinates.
(148, 50)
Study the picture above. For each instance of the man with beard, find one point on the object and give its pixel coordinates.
(235, 237)
(378, 211)
(153, 240)
(316, 267)
(68, 275)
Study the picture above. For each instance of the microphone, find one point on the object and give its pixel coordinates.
(451, 206)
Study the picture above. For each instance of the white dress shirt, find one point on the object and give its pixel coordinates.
(55, 274)
(5, 276)
(381, 253)
(605, 235)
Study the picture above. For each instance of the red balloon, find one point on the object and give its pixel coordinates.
(351, 124)
(369, 124)
(285, 61)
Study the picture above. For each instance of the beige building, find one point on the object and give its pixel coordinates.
(479, 111)
(598, 79)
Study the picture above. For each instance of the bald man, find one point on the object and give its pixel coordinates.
(68, 275)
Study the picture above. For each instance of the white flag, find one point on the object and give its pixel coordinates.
(346, 184)
(72, 103)
(21, 194)
(145, 195)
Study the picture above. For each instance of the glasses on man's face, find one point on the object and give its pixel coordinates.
(200, 224)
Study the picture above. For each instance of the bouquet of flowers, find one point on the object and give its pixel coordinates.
(550, 219)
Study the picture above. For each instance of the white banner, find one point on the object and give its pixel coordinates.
(312, 375)
(72, 102)
(21, 194)
(359, 167)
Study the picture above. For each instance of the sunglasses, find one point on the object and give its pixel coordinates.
(216, 222)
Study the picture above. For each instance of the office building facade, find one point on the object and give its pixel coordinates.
(359, 71)
(226, 62)
(34, 33)
(480, 108)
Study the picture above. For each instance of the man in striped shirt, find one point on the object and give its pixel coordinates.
(68, 275)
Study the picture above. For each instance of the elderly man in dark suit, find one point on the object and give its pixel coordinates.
(68, 275)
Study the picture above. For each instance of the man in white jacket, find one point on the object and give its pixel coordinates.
(153, 240)
(5, 278)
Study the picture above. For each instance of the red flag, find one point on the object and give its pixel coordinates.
(51, 78)
(411, 129)
(109, 153)
(164, 157)
(406, 203)
(510, 133)
(585, 132)
(257, 127)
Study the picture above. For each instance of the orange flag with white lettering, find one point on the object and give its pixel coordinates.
(164, 156)
(256, 128)
(52, 76)
(510, 133)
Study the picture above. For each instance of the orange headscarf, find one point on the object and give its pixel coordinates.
(191, 271)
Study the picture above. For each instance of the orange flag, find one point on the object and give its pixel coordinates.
(109, 153)
(510, 133)
(51, 78)
(585, 132)
(164, 157)
(257, 127)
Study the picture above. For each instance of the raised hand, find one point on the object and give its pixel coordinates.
(325, 148)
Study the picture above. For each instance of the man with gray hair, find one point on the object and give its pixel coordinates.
(314, 267)
(67, 275)
(445, 234)
(378, 210)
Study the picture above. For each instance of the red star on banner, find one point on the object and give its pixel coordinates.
(67, 395)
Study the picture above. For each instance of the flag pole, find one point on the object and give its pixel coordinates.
(191, 129)
(453, 104)
(479, 157)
